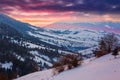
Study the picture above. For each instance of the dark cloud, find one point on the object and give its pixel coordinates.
(95, 6)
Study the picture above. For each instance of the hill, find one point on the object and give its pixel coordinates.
(103, 68)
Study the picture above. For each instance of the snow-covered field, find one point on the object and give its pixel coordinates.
(104, 68)
(43, 75)
(69, 38)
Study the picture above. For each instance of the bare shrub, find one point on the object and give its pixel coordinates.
(66, 62)
(99, 53)
(57, 64)
(108, 43)
(58, 70)
(115, 52)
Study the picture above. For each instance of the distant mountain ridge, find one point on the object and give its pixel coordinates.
(20, 26)
(103, 26)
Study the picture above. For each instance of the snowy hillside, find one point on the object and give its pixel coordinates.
(104, 68)
(71, 39)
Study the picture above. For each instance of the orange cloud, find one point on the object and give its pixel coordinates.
(43, 18)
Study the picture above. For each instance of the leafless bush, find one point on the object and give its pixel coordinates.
(99, 53)
(66, 62)
(108, 42)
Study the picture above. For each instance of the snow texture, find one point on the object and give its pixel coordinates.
(104, 68)
(6, 65)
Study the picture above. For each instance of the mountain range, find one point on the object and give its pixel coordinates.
(23, 43)
(103, 26)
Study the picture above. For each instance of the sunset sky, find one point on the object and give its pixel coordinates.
(44, 12)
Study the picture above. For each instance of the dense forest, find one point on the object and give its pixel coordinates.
(13, 50)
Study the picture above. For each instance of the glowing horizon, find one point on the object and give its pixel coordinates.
(45, 12)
